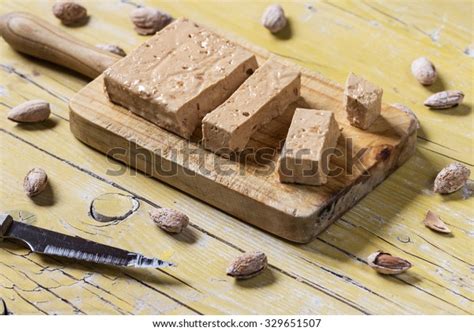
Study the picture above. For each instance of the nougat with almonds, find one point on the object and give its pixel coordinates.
(362, 101)
(261, 98)
(308, 148)
(179, 75)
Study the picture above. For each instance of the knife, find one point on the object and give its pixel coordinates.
(48, 242)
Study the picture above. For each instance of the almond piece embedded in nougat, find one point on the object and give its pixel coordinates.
(362, 101)
(178, 76)
(262, 97)
(309, 144)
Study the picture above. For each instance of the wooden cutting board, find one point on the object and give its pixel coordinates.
(251, 190)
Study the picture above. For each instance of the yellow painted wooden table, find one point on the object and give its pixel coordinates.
(328, 276)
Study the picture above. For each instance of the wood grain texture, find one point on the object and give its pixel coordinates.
(250, 190)
(390, 218)
(31, 35)
(187, 284)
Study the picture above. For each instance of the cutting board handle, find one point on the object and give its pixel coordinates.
(31, 35)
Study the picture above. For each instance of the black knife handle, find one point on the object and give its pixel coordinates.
(5, 222)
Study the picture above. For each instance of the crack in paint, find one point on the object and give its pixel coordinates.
(11, 70)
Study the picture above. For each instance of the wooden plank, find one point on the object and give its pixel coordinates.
(224, 225)
(319, 261)
(382, 220)
(52, 287)
(321, 36)
(205, 292)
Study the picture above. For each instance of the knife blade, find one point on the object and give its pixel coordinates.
(47, 242)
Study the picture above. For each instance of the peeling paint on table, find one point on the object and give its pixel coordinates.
(328, 276)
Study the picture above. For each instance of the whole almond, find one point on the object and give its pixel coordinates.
(273, 18)
(169, 220)
(387, 264)
(30, 112)
(445, 99)
(424, 71)
(112, 49)
(247, 265)
(35, 182)
(451, 178)
(148, 20)
(69, 12)
(435, 223)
